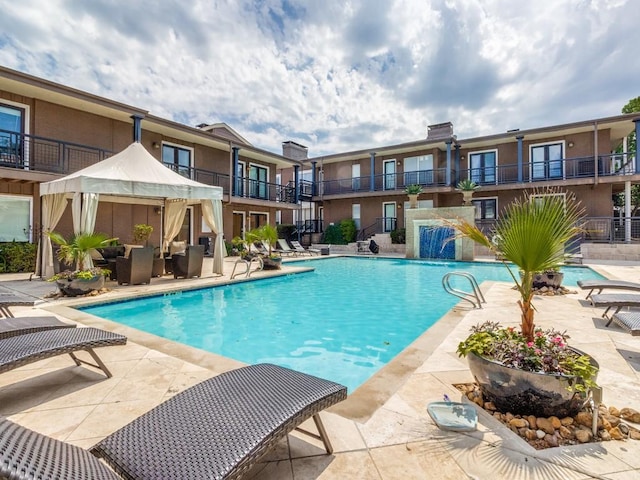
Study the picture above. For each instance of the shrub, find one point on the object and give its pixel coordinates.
(349, 230)
(333, 235)
(286, 231)
(17, 257)
(398, 236)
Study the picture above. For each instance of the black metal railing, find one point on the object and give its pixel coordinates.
(31, 152)
(381, 225)
(304, 227)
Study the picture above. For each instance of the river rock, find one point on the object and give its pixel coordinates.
(565, 432)
(613, 420)
(616, 434)
(545, 425)
(634, 434)
(518, 423)
(489, 406)
(614, 411)
(584, 418)
(630, 415)
(555, 421)
(583, 436)
(530, 434)
(532, 422)
(540, 434)
(552, 440)
(566, 421)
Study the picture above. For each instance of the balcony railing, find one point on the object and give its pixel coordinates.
(618, 164)
(381, 225)
(41, 154)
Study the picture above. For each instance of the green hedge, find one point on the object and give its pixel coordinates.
(333, 235)
(17, 257)
(398, 236)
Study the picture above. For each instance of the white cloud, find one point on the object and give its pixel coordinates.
(337, 75)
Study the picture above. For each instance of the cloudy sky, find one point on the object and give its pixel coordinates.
(337, 75)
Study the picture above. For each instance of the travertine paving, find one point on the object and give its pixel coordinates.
(381, 432)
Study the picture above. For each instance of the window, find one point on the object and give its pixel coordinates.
(418, 170)
(15, 218)
(485, 208)
(355, 177)
(177, 158)
(240, 179)
(389, 167)
(258, 182)
(546, 161)
(355, 214)
(257, 219)
(11, 130)
(482, 167)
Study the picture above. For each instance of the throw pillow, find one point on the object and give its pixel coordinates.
(128, 248)
(177, 248)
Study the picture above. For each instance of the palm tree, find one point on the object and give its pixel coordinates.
(531, 234)
(78, 247)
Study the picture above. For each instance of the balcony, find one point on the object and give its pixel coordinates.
(613, 165)
(41, 154)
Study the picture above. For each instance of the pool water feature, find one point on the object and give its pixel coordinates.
(344, 321)
(436, 243)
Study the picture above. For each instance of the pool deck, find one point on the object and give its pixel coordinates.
(381, 432)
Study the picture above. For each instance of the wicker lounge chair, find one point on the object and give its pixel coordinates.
(136, 268)
(190, 264)
(10, 327)
(31, 347)
(629, 321)
(10, 300)
(600, 285)
(217, 429)
(617, 300)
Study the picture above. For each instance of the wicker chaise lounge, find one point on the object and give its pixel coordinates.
(217, 429)
(617, 300)
(600, 285)
(28, 348)
(629, 321)
(12, 326)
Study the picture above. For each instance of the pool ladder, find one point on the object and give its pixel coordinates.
(474, 297)
(247, 264)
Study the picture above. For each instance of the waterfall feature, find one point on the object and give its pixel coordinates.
(433, 242)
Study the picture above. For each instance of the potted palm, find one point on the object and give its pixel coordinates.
(413, 191)
(532, 371)
(268, 236)
(467, 187)
(76, 250)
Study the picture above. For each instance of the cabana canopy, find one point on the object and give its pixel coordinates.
(135, 175)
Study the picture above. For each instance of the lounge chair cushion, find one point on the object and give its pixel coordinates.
(128, 248)
(629, 321)
(220, 427)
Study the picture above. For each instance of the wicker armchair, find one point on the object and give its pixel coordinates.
(136, 268)
(190, 264)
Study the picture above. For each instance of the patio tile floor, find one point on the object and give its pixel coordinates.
(383, 434)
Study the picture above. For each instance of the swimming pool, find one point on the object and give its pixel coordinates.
(343, 321)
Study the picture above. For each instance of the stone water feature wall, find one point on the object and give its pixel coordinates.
(433, 217)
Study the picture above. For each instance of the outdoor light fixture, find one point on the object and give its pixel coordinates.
(155, 145)
(157, 210)
(570, 143)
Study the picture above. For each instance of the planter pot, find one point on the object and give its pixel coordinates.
(271, 263)
(467, 195)
(413, 200)
(548, 279)
(526, 393)
(80, 286)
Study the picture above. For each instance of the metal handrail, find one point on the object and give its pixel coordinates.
(476, 293)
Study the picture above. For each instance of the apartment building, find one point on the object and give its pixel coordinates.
(49, 130)
(588, 158)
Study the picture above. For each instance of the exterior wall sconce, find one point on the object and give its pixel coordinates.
(155, 145)
(157, 210)
(399, 163)
(570, 144)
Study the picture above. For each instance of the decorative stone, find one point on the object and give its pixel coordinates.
(555, 421)
(604, 435)
(616, 434)
(545, 425)
(489, 406)
(614, 411)
(508, 416)
(566, 421)
(634, 434)
(518, 423)
(583, 436)
(565, 432)
(613, 420)
(540, 434)
(530, 434)
(584, 418)
(624, 429)
(630, 415)
(532, 422)
(552, 440)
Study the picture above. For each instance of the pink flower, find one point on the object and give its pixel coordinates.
(557, 340)
(529, 344)
(538, 351)
(538, 334)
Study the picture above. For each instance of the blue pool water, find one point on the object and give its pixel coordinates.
(343, 321)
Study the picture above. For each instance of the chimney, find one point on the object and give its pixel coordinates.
(137, 127)
(294, 150)
(440, 131)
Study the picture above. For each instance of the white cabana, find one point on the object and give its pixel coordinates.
(132, 176)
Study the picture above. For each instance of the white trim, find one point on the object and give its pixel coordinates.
(244, 221)
(562, 159)
(258, 212)
(476, 152)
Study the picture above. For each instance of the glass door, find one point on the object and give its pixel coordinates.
(389, 174)
(11, 130)
(546, 161)
(258, 177)
(389, 217)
